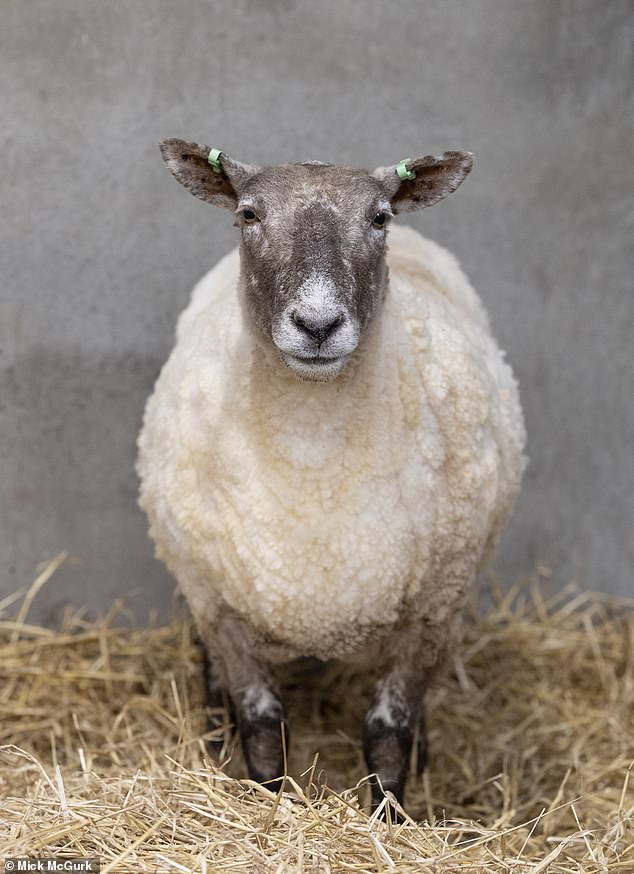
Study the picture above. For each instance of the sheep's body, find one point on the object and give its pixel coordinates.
(328, 514)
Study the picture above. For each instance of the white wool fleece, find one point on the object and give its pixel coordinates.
(329, 513)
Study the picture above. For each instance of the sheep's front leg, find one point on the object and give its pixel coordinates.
(390, 723)
(260, 713)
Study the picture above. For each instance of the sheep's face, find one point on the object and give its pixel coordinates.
(313, 261)
(313, 246)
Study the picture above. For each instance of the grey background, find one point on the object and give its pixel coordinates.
(100, 247)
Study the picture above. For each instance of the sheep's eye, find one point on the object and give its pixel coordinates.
(379, 220)
(249, 216)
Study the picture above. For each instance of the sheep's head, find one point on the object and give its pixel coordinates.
(313, 244)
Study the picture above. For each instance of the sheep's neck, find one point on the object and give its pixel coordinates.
(311, 423)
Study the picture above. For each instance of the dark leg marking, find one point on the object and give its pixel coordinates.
(388, 733)
(260, 712)
(389, 724)
(262, 720)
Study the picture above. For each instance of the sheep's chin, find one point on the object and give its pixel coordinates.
(315, 369)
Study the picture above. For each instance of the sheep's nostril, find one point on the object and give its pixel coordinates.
(317, 329)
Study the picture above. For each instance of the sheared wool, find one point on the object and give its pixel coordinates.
(329, 514)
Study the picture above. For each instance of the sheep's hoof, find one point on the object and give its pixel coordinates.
(274, 785)
(386, 801)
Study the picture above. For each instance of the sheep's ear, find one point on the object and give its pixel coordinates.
(432, 179)
(220, 184)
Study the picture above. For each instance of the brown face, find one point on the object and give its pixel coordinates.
(313, 261)
(313, 269)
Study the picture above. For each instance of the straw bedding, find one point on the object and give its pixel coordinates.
(531, 735)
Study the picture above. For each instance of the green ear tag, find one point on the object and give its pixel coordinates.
(402, 171)
(213, 159)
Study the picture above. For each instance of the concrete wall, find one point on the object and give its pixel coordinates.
(100, 247)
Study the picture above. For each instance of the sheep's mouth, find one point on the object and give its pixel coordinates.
(316, 367)
(316, 359)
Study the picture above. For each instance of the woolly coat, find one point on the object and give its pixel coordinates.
(331, 514)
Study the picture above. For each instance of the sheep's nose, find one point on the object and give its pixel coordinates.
(317, 328)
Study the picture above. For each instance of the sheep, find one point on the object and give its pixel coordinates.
(334, 445)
